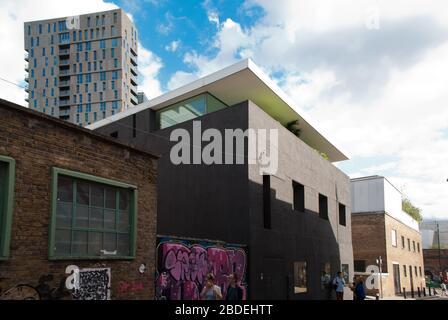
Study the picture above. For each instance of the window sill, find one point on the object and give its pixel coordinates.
(55, 258)
(299, 293)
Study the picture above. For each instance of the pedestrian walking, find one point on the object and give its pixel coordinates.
(359, 291)
(210, 290)
(443, 286)
(353, 287)
(338, 285)
(234, 291)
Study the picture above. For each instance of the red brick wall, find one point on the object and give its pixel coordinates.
(372, 237)
(369, 239)
(431, 257)
(38, 144)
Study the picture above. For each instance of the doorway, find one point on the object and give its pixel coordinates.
(274, 278)
(397, 281)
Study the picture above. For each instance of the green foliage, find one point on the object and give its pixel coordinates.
(411, 210)
(293, 126)
(322, 154)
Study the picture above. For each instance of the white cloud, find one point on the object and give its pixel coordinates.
(212, 13)
(173, 46)
(307, 88)
(229, 40)
(180, 78)
(213, 18)
(380, 94)
(149, 67)
(407, 122)
(12, 16)
(375, 170)
(167, 27)
(325, 15)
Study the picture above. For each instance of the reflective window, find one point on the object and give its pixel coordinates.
(394, 238)
(92, 219)
(345, 272)
(342, 215)
(298, 196)
(300, 283)
(187, 110)
(323, 207)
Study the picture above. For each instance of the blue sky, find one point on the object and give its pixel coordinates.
(371, 73)
(163, 22)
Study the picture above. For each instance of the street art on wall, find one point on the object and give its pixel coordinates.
(21, 292)
(182, 266)
(45, 290)
(130, 286)
(92, 284)
(81, 284)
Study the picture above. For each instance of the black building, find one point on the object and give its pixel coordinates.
(278, 229)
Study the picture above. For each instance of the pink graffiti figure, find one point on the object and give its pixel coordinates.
(182, 269)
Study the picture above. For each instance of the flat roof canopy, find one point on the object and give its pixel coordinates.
(234, 84)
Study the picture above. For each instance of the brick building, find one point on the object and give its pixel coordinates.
(436, 261)
(381, 229)
(435, 247)
(70, 197)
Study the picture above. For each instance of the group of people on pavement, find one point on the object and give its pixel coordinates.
(338, 284)
(213, 292)
(443, 282)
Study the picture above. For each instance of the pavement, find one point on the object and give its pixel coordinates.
(436, 297)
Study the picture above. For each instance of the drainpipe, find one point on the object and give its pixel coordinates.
(438, 242)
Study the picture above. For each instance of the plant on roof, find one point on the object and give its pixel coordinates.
(411, 210)
(293, 126)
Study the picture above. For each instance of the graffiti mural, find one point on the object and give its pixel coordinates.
(130, 287)
(21, 292)
(45, 290)
(94, 284)
(182, 266)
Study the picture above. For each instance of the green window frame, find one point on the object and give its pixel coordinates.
(7, 181)
(74, 224)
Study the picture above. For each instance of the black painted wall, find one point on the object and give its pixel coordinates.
(198, 201)
(225, 202)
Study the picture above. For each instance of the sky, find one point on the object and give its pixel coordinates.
(373, 73)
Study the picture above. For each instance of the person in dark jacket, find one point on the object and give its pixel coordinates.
(234, 291)
(359, 291)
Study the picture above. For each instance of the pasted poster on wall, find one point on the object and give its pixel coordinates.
(182, 266)
(94, 284)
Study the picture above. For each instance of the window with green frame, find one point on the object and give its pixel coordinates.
(93, 218)
(7, 177)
